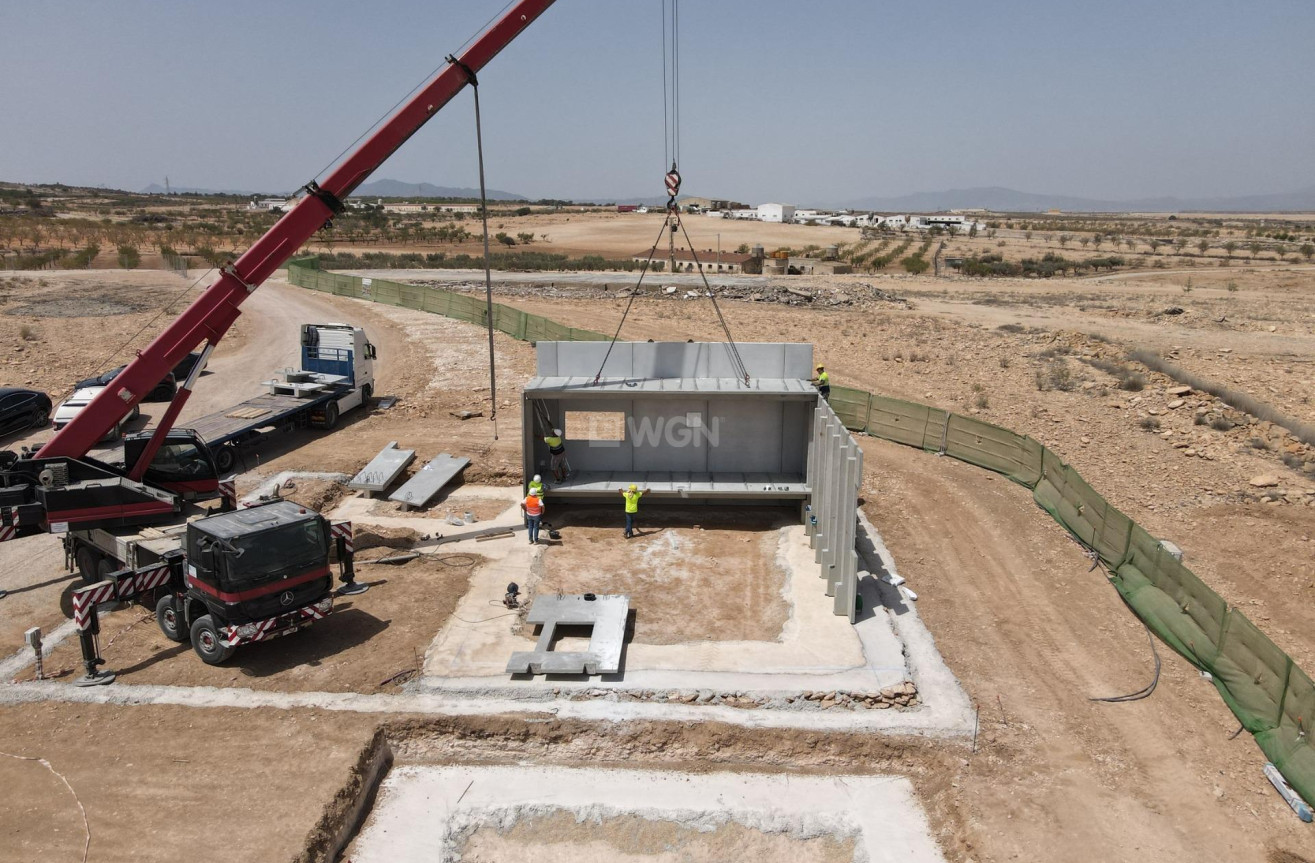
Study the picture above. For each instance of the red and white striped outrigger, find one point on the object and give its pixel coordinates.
(8, 522)
(285, 624)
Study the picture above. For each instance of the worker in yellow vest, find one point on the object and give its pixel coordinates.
(532, 507)
(632, 496)
(536, 486)
(557, 450)
(823, 381)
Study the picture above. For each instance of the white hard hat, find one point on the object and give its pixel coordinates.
(536, 478)
(557, 432)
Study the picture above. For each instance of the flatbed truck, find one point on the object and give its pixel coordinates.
(336, 376)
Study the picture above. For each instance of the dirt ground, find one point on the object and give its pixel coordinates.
(368, 639)
(1032, 635)
(561, 838)
(159, 782)
(718, 582)
(1029, 631)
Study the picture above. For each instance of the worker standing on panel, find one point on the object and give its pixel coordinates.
(632, 496)
(557, 449)
(532, 506)
(823, 381)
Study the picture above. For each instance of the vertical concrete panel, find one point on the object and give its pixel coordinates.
(661, 440)
(798, 361)
(796, 429)
(748, 435)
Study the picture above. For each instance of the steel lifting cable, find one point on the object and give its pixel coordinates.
(634, 293)
(671, 149)
(488, 274)
(743, 371)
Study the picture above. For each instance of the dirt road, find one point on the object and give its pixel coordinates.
(1033, 635)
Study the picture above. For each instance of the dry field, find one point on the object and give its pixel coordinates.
(1028, 630)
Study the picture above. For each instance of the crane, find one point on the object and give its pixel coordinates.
(60, 484)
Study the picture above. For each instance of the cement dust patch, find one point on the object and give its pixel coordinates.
(563, 838)
(450, 813)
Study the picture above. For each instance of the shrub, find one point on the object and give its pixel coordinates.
(1222, 424)
(1149, 424)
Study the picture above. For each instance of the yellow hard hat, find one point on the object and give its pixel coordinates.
(633, 487)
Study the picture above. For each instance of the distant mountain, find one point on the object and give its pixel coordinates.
(1014, 201)
(398, 189)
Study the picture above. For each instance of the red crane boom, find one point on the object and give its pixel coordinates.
(210, 316)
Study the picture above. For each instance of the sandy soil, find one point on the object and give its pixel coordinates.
(1030, 632)
(718, 582)
(1032, 635)
(368, 639)
(631, 839)
(159, 782)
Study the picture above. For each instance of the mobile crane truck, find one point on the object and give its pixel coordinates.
(223, 578)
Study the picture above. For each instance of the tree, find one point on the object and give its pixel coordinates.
(502, 237)
(1203, 246)
(1180, 244)
(1307, 251)
(525, 238)
(1254, 248)
(129, 258)
(1230, 247)
(1063, 240)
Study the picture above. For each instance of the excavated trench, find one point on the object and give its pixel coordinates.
(472, 788)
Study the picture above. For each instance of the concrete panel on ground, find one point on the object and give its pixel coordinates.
(387, 466)
(607, 616)
(421, 488)
(443, 812)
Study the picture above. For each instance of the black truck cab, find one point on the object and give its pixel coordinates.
(255, 573)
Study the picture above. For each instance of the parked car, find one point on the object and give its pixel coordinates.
(73, 405)
(22, 409)
(163, 391)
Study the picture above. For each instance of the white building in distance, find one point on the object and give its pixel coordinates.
(776, 212)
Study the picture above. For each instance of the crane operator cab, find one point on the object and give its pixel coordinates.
(182, 465)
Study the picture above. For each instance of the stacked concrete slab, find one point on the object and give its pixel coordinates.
(835, 475)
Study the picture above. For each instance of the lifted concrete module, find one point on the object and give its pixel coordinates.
(674, 417)
(607, 616)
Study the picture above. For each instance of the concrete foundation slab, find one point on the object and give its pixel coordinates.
(428, 813)
(376, 476)
(605, 614)
(429, 480)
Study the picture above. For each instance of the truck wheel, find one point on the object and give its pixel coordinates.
(87, 558)
(170, 618)
(367, 393)
(330, 416)
(104, 567)
(207, 642)
(225, 458)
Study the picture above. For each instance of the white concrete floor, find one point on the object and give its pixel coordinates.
(424, 812)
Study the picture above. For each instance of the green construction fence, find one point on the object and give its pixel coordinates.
(1269, 694)
(306, 273)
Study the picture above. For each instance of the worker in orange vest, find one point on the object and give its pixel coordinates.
(532, 507)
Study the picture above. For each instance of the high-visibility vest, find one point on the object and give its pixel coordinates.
(554, 444)
(632, 500)
(823, 379)
(533, 505)
(536, 488)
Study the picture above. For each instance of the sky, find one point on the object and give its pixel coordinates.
(815, 102)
